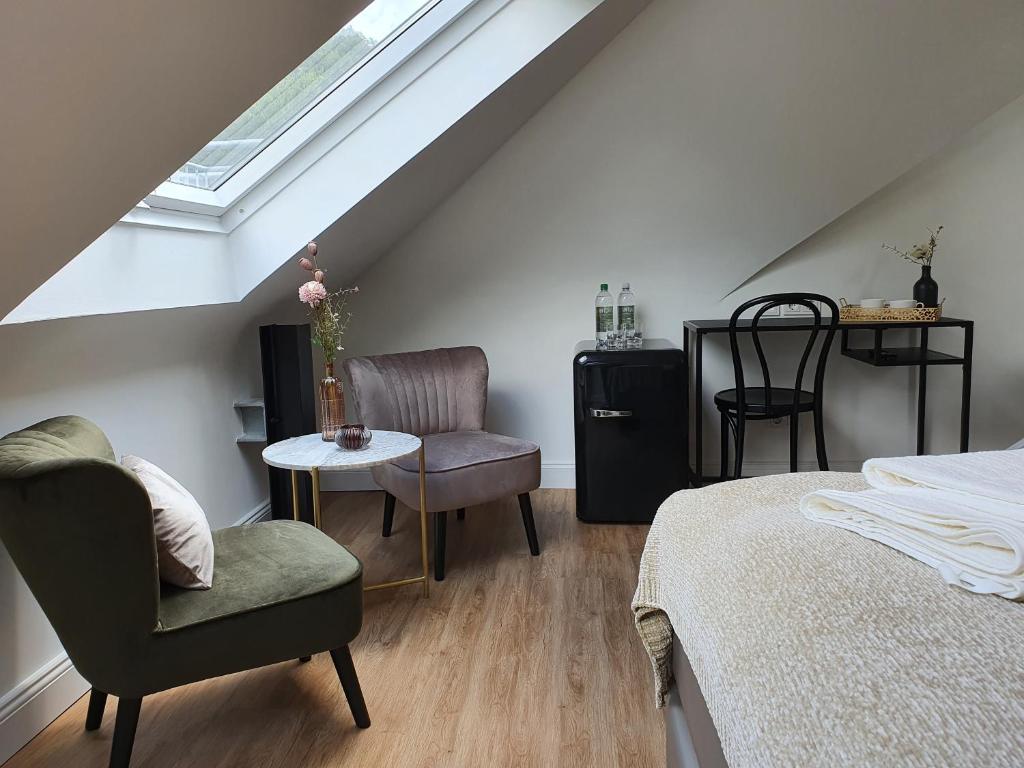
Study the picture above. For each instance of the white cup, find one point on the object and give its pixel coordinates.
(905, 304)
(872, 303)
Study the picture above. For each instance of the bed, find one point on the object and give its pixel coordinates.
(775, 641)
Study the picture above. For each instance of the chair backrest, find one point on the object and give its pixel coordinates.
(816, 324)
(79, 528)
(422, 393)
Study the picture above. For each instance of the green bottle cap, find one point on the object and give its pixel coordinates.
(604, 286)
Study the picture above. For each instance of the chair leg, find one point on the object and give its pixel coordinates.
(794, 437)
(124, 732)
(97, 703)
(440, 531)
(389, 514)
(740, 433)
(723, 474)
(526, 508)
(461, 514)
(350, 684)
(819, 438)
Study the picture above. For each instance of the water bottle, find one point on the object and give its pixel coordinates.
(604, 315)
(627, 313)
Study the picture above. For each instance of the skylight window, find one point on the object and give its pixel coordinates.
(346, 52)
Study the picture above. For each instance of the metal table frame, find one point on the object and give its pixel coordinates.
(918, 356)
(314, 473)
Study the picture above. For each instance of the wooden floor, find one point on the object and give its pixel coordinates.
(512, 661)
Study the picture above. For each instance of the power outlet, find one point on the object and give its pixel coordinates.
(798, 310)
(773, 312)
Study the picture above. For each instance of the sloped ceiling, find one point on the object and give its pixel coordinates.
(721, 132)
(102, 100)
(712, 134)
(383, 217)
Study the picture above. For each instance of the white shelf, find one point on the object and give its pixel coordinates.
(252, 414)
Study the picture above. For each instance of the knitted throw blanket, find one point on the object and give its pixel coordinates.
(814, 646)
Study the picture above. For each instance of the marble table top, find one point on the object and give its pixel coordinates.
(309, 451)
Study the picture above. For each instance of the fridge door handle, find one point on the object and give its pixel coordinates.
(601, 413)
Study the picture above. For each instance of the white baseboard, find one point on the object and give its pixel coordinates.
(257, 515)
(563, 475)
(551, 476)
(760, 468)
(38, 701)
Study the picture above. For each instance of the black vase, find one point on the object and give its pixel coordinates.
(926, 290)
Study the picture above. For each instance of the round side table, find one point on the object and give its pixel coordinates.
(311, 453)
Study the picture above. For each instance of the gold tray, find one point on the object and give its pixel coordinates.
(853, 313)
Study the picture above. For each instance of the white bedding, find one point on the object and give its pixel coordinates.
(816, 647)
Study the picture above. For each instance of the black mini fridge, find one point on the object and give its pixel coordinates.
(631, 430)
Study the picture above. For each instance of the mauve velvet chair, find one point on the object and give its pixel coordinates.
(79, 528)
(441, 395)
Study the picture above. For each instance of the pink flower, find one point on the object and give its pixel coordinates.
(306, 264)
(312, 293)
(319, 275)
(311, 248)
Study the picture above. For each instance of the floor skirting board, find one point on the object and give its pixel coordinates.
(257, 515)
(551, 476)
(37, 702)
(760, 468)
(554, 475)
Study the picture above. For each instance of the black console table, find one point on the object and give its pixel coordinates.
(877, 355)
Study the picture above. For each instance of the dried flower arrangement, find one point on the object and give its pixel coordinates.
(326, 309)
(919, 254)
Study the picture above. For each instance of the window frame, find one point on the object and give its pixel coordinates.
(183, 202)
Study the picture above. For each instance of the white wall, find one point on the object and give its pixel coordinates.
(161, 385)
(976, 190)
(612, 181)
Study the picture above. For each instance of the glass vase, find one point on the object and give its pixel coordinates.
(332, 404)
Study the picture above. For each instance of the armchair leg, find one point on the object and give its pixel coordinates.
(124, 732)
(531, 529)
(389, 514)
(350, 684)
(440, 533)
(97, 702)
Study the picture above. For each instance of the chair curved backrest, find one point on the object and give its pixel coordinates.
(79, 528)
(817, 323)
(422, 393)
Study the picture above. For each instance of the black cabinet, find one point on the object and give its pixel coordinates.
(289, 400)
(631, 436)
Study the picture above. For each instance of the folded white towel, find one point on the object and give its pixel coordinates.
(989, 474)
(961, 514)
(981, 550)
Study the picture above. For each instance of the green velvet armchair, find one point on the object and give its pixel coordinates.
(79, 528)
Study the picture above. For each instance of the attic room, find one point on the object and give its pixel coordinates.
(511, 383)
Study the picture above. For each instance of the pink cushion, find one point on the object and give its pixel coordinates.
(184, 543)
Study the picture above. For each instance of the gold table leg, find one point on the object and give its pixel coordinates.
(315, 472)
(295, 494)
(425, 578)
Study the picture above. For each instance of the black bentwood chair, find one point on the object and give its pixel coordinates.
(744, 403)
